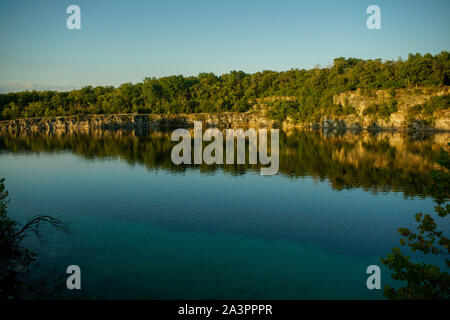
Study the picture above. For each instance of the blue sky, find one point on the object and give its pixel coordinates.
(126, 41)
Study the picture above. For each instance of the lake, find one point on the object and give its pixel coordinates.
(144, 228)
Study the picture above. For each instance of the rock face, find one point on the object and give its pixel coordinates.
(404, 99)
(402, 118)
(257, 117)
(328, 123)
(137, 122)
(145, 122)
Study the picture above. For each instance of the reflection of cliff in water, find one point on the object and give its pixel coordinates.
(381, 162)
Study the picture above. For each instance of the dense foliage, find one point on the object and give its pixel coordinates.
(422, 280)
(426, 110)
(235, 91)
(384, 110)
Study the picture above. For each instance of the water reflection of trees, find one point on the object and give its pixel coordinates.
(381, 162)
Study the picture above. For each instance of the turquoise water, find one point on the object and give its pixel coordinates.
(142, 231)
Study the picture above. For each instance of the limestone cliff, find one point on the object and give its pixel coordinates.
(401, 119)
(138, 122)
(359, 102)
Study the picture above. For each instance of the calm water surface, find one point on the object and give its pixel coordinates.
(143, 228)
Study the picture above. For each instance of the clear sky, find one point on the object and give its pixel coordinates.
(126, 41)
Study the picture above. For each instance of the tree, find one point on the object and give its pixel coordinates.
(424, 281)
(232, 91)
(15, 260)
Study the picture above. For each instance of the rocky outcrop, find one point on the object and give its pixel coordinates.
(145, 122)
(405, 99)
(138, 122)
(401, 119)
(257, 117)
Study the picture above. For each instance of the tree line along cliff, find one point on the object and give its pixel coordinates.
(314, 94)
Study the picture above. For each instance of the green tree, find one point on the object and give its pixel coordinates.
(421, 280)
(15, 259)
(233, 91)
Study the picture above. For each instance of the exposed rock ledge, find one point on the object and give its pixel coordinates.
(143, 122)
(134, 122)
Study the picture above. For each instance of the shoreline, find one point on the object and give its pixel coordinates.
(134, 121)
